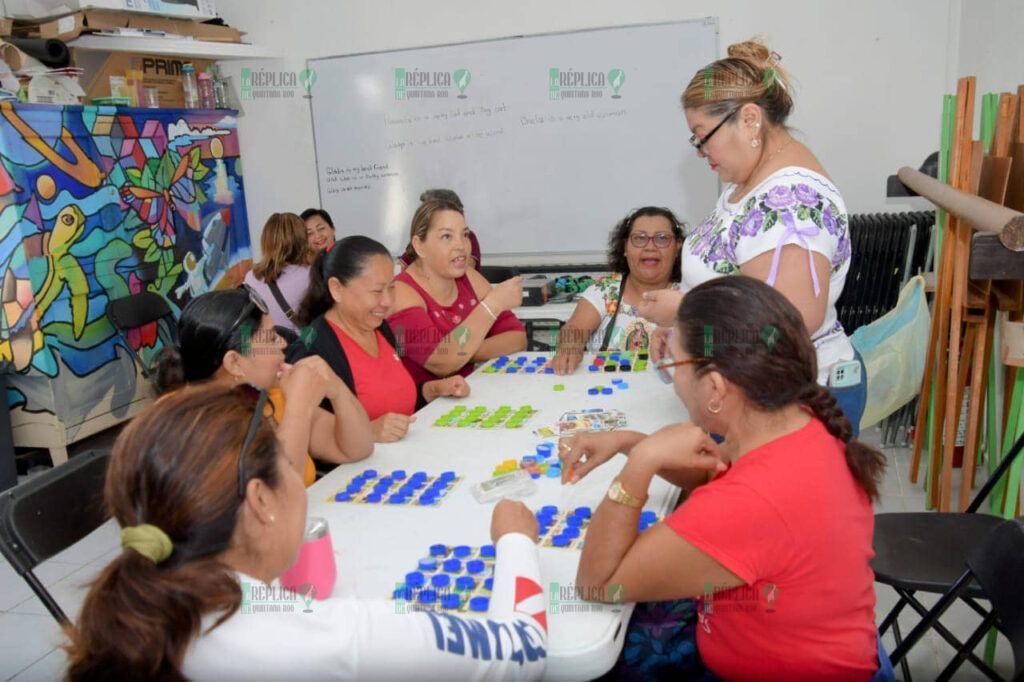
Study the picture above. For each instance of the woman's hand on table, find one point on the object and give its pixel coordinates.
(677, 447)
(566, 361)
(661, 306)
(584, 452)
(452, 387)
(513, 517)
(391, 427)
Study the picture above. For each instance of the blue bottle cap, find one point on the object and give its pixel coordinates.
(342, 497)
(549, 509)
(594, 368)
(426, 500)
(398, 474)
(407, 489)
(583, 512)
(370, 473)
(447, 476)
(487, 551)
(428, 564)
(531, 370)
(450, 601)
(592, 391)
(571, 532)
(384, 480)
(464, 583)
(452, 565)
(521, 360)
(560, 540)
(642, 526)
(573, 521)
(648, 516)
(623, 385)
(427, 597)
(616, 380)
(545, 449)
(534, 474)
(475, 566)
(438, 550)
(489, 584)
(462, 551)
(527, 460)
(549, 370)
(440, 580)
(417, 483)
(511, 369)
(353, 487)
(419, 476)
(397, 499)
(606, 391)
(540, 360)
(403, 593)
(373, 498)
(554, 472)
(381, 488)
(479, 604)
(414, 579)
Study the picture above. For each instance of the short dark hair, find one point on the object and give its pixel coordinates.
(620, 234)
(311, 212)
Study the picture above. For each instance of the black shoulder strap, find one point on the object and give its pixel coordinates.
(615, 315)
(279, 297)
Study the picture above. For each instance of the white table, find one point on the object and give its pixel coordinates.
(376, 545)
(552, 311)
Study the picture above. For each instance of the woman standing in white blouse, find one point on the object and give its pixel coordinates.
(779, 219)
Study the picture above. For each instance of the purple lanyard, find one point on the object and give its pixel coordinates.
(801, 234)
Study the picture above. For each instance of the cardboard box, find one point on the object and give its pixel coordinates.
(90, 21)
(158, 71)
(44, 9)
(5, 27)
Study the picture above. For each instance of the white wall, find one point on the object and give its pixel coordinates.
(869, 74)
(991, 46)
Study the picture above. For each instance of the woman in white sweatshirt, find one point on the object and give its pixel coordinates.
(212, 512)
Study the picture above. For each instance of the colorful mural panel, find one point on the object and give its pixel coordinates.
(98, 203)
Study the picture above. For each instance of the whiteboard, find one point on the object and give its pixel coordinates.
(549, 140)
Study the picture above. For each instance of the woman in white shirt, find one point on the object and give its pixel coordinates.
(643, 255)
(211, 510)
(780, 218)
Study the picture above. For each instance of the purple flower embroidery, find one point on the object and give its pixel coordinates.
(828, 221)
(779, 197)
(752, 223)
(842, 252)
(806, 196)
(715, 253)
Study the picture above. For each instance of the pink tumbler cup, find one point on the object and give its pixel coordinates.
(314, 572)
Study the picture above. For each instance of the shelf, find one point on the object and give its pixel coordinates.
(173, 46)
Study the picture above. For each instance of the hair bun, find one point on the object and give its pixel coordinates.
(753, 51)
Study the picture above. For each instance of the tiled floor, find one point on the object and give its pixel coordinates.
(30, 638)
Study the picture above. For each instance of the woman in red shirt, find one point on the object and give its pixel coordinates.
(350, 292)
(775, 536)
(446, 315)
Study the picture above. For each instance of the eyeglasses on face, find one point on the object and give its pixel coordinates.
(255, 302)
(663, 366)
(699, 142)
(257, 416)
(662, 240)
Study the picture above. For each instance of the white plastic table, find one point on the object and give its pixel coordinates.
(376, 545)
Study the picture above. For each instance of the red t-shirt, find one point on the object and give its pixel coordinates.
(789, 520)
(382, 383)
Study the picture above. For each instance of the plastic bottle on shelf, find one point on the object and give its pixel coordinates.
(207, 100)
(220, 93)
(189, 86)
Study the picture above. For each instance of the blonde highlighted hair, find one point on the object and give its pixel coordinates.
(751, 74)
(284, 243)
(421, 220)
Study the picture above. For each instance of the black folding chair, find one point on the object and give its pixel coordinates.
(926, 552)
(50, 512)
(994, 568)
(137, 310)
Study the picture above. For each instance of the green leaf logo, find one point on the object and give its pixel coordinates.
(616, 77)
(615, 593)
(307, 77)
(308, 336)
(462, 336)
(462, 78)
(770, 334)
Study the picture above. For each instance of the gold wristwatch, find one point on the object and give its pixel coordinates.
(617, 494)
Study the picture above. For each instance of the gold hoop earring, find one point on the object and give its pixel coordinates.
(755, 143)
(714, 410)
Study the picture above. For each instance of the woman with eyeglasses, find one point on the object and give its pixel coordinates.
(643, 255)
(228, 337)
(212, 511)
(780, 217)
(774, 538)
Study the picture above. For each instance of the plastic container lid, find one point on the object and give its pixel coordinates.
(407, 489)
(489, 584)
(582, 512)
(648, 516)
(398, 499)
(560, 540)
(592, 391)
(607, 391)
(573, 521)
(428, 564)
(447, 476)
(527, 460)
(571, 533)
(475, 566)
(549, 370)
(419, 476)
(554, 471)
(559, 387)
(462, 551)
(342, 497)
(354, 487)
(452, 565)
(594, 368)
(438, 550)
(414, 579)
(531, 370)
(426, 500)
(427, 597)
(609, 368)
(479, 604)
(487, 551)
(545, 449)
(440, 580)
(370, 473)
(450, 601)
(464, 583)
(623, 385)
(398, 474)
(373, 497)
(549, 509)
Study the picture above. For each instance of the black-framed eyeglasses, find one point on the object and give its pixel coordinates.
(663, 366)
(254, 425)
(699, 142)
(662, 240)
(255, 302)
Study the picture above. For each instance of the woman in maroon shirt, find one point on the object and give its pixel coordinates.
(446, 315)
(350, 292)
